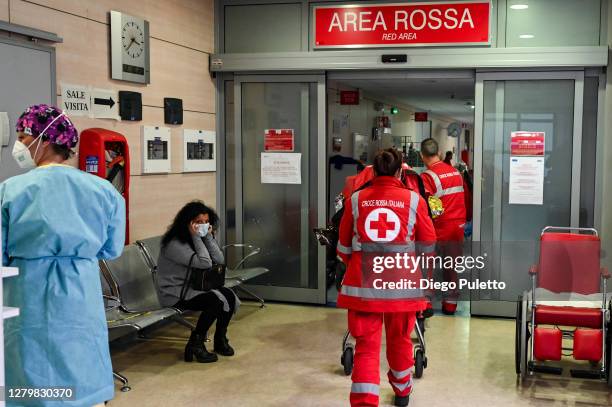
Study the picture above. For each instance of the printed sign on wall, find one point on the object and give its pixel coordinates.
(526, 181)
(279, 140)
(76, 100)
(104, 104)
(527, 143)
(281, 168)
(399, 25)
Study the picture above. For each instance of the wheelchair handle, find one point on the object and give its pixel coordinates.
(592, 231)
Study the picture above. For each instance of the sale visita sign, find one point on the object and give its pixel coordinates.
(401, 25)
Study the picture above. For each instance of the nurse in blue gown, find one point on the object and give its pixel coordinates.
(57, 221)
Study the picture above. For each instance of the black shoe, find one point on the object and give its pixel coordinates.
(401, 401)
(222, 346)
(195, 347)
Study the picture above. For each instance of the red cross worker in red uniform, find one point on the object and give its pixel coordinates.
(354, 182)
(445, 182)
(379, 232)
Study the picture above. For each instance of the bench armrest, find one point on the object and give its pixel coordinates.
(252, 252)
(114, 299)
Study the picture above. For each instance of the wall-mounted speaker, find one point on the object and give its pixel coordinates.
(173, 111)
(130, 105)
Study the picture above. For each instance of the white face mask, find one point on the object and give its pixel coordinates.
(21, 152)
(203, 229)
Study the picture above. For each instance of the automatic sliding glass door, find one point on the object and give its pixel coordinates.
(278, 181)
(517, 195)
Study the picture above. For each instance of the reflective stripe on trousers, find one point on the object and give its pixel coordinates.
(402, 381)
(383, 294)
(369, 388)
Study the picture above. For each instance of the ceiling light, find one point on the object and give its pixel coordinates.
(526, 36)
(519, 6)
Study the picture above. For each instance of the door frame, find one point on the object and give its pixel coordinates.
(276, 293)
(500, 307)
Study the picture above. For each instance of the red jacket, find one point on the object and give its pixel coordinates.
(383, 217)
(445, 182)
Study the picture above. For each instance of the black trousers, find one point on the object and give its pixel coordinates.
(212, 309)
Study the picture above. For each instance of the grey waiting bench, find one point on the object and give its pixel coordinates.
(234, 276)
(131, 298)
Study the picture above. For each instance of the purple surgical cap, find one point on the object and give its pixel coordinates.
(36, 118)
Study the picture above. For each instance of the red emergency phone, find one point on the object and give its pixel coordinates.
(105, 153)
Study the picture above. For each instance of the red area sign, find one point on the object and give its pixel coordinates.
(527, 143)
(279, 140)
(401, 25)
(349, 97)
(420, 116)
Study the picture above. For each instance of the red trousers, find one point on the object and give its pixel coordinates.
(450, 243)
(366, 328)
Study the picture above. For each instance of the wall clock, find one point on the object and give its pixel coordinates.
(129, 48)
(454, 129)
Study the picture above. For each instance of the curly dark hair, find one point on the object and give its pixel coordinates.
(179, 229)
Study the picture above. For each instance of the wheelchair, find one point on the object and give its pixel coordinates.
(566, 314)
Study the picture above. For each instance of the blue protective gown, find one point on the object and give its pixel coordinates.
(57, 221)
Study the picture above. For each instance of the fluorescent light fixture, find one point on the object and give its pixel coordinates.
(526, 36)
(519, 6)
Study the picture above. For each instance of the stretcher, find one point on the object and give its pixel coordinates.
(566, 314)
(329, 237)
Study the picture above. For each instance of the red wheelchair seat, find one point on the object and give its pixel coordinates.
(568, 316)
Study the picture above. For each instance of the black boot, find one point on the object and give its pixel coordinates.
(401, 401)
(222, 346)
(195, 347)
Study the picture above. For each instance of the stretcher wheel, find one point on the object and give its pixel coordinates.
(347, 360)
(125, 389)
(421, 322)
(419, 363)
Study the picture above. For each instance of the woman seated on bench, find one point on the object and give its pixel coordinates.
(192, 232)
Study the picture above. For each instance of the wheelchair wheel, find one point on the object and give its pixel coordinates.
(419, 363)
(521, 336)
(347, 360)
(609, 347)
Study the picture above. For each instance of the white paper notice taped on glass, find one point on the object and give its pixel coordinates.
(281, 168)
(526, 181)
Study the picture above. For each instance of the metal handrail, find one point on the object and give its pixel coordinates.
(569, 229)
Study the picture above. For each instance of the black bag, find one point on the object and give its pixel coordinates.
(203, 279)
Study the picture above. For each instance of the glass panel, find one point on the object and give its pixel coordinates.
(589, 152)
(263, 28)
(546, 23)
(507, 229)
(279, 218)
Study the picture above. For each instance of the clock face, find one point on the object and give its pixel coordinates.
(132, 39)
(454, 129)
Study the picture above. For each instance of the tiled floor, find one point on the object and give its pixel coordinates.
(289, 356)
